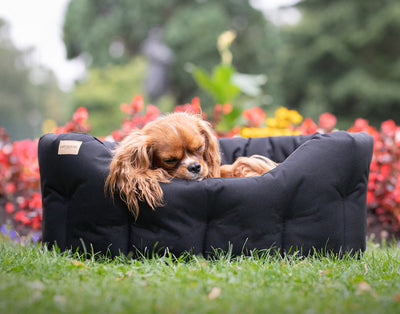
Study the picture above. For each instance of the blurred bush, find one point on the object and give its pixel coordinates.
(343, 57)
(190, 29)
(29, 93)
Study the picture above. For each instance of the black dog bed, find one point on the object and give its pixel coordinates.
(315, 200)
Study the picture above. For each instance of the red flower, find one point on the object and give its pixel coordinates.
(193, 107)
(36, 222)
(255, 116)
(361, 125)
(117, 135)
(9, 207)
(25, 151)
(234, 131)
(152, 113)
(10, 188)
(196, 104)
(307, 127)
(327, 122)
(385, 170)
(61, 130)
(227, 109)
(389, 128)
(396, 191)
(35, 201)
(370, 197)
(81, 115)
(22, 217)
(137, 103)
(3, 158)
(187, 108)
(22, 202)
(125, 108)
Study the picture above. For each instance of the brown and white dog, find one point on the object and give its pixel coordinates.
(179, 145)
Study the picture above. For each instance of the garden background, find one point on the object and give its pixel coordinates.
(335, 68)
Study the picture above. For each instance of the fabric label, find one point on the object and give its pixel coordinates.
(68, 147)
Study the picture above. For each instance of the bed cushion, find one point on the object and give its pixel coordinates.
(315, 200)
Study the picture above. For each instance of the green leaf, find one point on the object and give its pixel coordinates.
(219, 85)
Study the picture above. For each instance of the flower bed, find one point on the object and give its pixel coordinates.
(20, 199)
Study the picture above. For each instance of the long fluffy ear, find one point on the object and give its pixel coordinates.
(211, 152)
(131, 173)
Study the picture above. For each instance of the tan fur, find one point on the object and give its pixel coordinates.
(139, 163)
(248, 167)
(147, 157)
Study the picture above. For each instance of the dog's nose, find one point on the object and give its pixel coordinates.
(194, 167)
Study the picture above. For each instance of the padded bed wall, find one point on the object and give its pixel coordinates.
(314, 200)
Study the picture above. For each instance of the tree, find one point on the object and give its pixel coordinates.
(190, 29)
(28, 93)
(343, 58)
(104, 90)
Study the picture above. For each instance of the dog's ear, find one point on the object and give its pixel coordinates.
(211, 151)
(131, 173)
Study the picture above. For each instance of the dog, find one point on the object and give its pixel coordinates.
(178, 145)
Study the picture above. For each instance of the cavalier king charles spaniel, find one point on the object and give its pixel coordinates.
(179, 145)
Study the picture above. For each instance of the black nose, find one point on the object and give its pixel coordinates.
(194, 167)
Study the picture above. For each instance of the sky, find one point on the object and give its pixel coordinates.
(38, 24)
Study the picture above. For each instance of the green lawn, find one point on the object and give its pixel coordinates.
(36, 280)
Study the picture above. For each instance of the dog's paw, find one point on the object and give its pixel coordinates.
(254, 165)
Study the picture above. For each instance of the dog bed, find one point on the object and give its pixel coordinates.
(314, 201)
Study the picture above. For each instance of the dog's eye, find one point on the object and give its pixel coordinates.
(171, 160)
(199, 149)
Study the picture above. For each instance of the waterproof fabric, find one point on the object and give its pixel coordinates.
(315, 200)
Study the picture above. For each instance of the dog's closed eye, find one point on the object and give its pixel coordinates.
(171, 161)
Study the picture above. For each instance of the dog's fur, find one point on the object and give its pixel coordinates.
(179, 145)
(248, 167)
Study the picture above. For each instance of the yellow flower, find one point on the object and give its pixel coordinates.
(281, 113)
(283, 124)
(291, 115)
(225, 40)
(226, 57)
(253, 132)
(272, 122)
(294, 116)
(277, 123)
(262, 132)
(49, 125)
(280, 125)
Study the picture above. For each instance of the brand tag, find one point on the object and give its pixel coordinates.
(68, 147)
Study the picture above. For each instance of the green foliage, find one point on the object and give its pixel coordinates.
(343, 58)
(218, 84)
(105, 89)
(28, 93)
(190, 29)
(227, 87)
(35, 279)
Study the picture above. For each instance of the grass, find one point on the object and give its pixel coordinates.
(34, 279)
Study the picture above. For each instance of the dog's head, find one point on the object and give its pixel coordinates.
(183, 145)
(179, 145)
